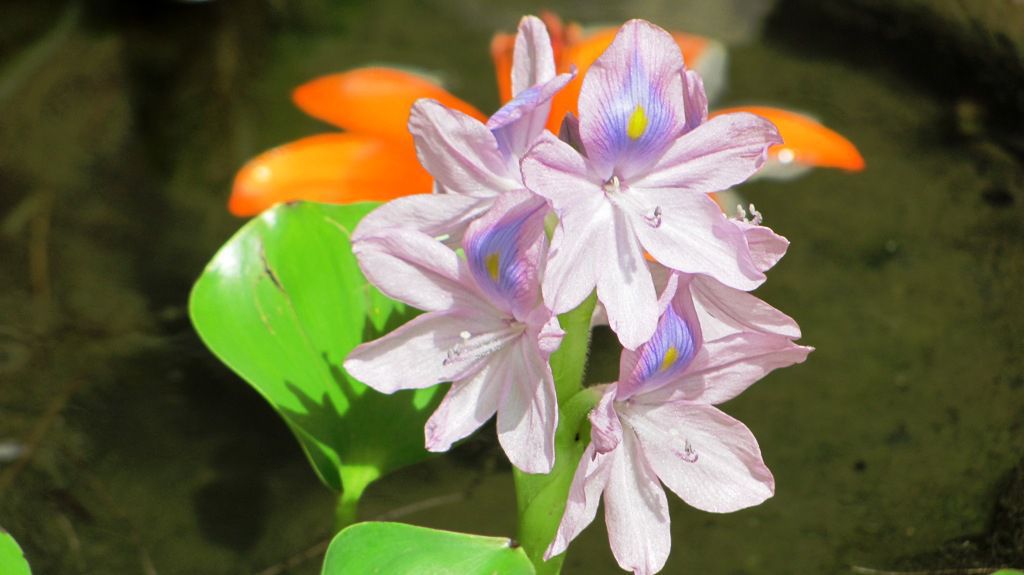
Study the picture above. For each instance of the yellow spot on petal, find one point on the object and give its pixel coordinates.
(492, 265)
(670, 358)
(637, 123)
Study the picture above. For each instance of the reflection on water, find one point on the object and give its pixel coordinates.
(123, 123)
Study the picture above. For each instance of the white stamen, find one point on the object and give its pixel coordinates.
(484, 345)
(756, 216)
(612, 185)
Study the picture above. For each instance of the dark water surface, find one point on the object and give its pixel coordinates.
(896, 446)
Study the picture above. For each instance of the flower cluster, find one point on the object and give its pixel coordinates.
(628, 183)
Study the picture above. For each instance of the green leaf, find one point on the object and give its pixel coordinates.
(1008, 572)
(541, 499)
(12, 559)
(400, 549)
(282, 303)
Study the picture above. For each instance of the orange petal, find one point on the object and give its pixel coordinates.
(333, 168)
(806, 141)
(372, 101)
(502, 48)
(692, 46)
(581, 54)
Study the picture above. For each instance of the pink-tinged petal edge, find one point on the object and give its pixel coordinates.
(579, 249)
(417, 270)
(714, 156)
(605, 429)
(528, 413)
(436, 215)
(468, 404)
(414, 355)
(690, 234)
(460, 152)
(707, 458)
(695, 100)
(625, 286)
(550, 335)
(584, 497)
(636, 512)
(728, 366)
(517, 124)
(726, 311)
(533, 61)
(766, 246)
(555, 170)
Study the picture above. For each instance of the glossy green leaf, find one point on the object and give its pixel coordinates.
(400, 549)
(282, 303)
(12, 559)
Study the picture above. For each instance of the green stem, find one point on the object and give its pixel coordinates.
(541, 498)
(346, 511)
(569, 362)
(354, 480)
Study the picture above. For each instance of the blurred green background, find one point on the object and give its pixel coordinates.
(126, 447)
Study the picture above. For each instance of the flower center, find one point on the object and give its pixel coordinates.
(613, 190)
(613, 186)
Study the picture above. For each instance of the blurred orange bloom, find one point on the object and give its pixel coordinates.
(375, 160)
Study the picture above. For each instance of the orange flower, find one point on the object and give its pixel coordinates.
(374, 159)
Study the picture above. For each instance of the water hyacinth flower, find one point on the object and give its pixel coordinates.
(576, 47)
(374, 160)
(640, 184)
(474, 163)
(807, 143)
(657, 425)
(486, 329)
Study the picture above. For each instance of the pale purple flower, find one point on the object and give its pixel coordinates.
(486, 329)
(649, 158)
(473, 163)
(657, 425)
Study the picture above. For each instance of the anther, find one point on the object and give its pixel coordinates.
(654, 220)
(689, 455)
(612, 185)
(755, 216)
